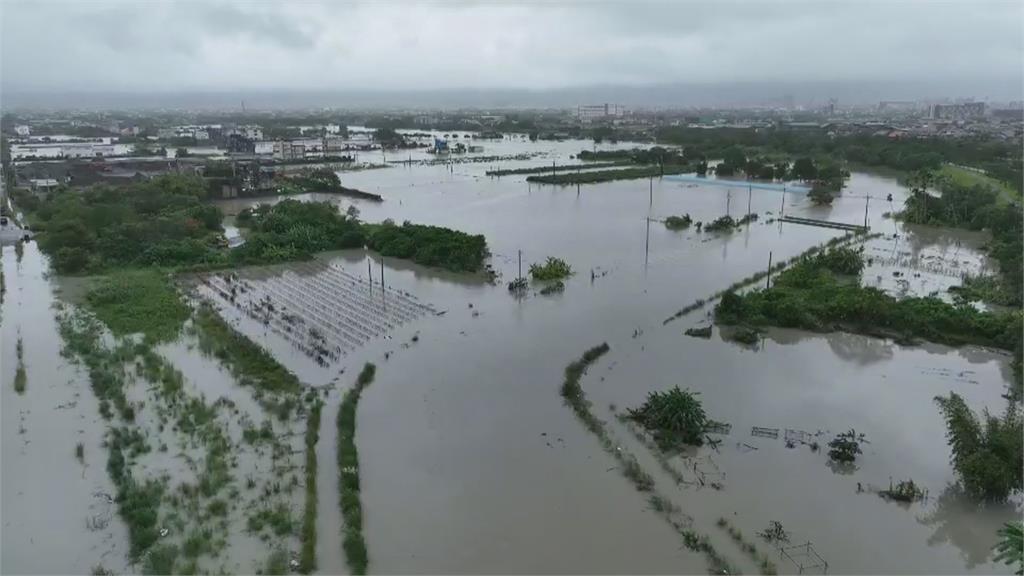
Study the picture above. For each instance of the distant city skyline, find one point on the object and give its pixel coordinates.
(944, 48)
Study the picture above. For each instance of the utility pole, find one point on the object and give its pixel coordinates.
(867, 200)
(651, 203)
(728, 200)
(520, 264)
(369, 272)
(768, 282)
(647, 244)
(750, 195)
(383, 294)
(782, 209)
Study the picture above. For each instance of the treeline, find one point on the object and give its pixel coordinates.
(1002, 160)
(160, 222)
(294, 230)
(428, 245)
(165, 222)
(976, 207)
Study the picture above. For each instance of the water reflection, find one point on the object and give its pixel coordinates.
(971, 527)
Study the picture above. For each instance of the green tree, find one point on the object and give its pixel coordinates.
(988, 453)
(1010, 549)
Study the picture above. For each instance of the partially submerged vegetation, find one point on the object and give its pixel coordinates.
(978, 206)
(251, 365)
(988, 452)
(159, 222)
(573, 394)
(673, 417)
(819, 293)
(307, 557)
(167, 222)
(348, 468)
(598, 176)
(429, 245)
(845, 447)
(555, 168)
(20, 376)
(551, 270)
(139, 302)
(728, 223)
(678, 222)
(763, 561)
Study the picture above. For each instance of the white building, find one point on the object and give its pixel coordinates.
(600, 112)
(264, 147)
(23, 130)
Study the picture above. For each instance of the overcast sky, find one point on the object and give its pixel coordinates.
(228, 45)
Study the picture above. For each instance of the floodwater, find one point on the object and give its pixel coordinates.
(470, 461)
(49, 497)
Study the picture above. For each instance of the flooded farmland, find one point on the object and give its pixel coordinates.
(470, 461)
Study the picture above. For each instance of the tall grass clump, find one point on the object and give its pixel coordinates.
(348, 466)
(307, 558)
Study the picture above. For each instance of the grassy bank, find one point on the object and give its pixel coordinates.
(598, 176)
(348, 468)
(307, 557)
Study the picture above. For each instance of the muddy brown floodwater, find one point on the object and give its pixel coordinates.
(470, 462)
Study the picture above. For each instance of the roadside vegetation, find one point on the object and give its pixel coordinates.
(348, 467)
(598, 176)
(556, 168)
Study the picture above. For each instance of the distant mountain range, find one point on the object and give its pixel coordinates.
(734, 94)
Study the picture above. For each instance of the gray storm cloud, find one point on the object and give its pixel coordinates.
(208, 45)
